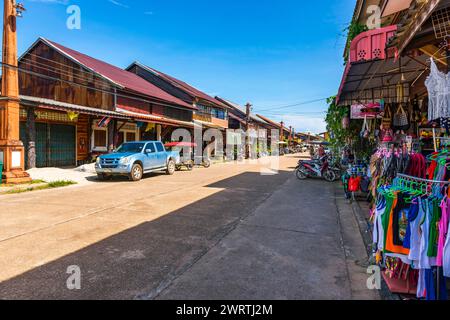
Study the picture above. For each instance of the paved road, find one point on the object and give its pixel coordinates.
(227, 232)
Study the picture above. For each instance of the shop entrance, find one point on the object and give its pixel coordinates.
(55, 144)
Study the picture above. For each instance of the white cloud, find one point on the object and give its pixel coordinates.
(305, 124)
(148, 13)
(119, 4)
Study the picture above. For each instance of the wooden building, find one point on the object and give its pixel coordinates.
(74, 107)
(209, 112)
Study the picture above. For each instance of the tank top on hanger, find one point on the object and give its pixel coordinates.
(425, 262)
(415, 236)
(443, 229)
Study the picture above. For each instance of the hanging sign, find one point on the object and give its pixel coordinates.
(365, 111)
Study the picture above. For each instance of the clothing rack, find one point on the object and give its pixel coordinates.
(416, 179)
(431, 182)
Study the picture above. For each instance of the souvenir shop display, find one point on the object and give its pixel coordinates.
(410, 221)
(355, 180)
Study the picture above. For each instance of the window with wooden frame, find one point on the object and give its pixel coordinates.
(99, 139)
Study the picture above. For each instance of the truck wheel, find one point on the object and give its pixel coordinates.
(171, 167)
(136, 172)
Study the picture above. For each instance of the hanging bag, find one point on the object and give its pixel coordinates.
(387, 118)
(354, 184)
(401, 121)
(365, 129)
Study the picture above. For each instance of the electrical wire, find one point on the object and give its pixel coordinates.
(292, 105)
(91, 77)
(97, 89)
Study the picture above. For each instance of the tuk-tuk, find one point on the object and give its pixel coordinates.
(186, 161)
(180, 147)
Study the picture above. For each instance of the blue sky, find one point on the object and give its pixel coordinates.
(268, 52)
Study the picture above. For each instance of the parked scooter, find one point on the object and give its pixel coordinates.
(315, 168)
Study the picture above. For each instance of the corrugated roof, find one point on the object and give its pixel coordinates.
(241, 110)
(63, 106)
(273, 123)
(118, 76)
(194, 92)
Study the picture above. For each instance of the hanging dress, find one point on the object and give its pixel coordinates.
(438, 86)
(425, 262)
(414, 232)
(446, 257)
(443, 229)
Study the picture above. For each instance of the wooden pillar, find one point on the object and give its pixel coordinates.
(31, 138)
(112, 128)
(11, 148)
(158, 132)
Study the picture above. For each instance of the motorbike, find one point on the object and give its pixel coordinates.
(315, 168)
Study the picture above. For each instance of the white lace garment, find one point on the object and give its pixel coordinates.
(438, 85)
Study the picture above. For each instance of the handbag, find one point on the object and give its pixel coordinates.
(354, 184)
(365, 129)
(387, 118)
(401, 121)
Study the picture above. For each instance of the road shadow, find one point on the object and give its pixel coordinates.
(142, 260)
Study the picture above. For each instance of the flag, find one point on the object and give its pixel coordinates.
(104, 122)
(150, 126)
(72, 115)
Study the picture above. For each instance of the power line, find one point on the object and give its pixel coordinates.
(101, 83)
(97, 89)
(293, 105)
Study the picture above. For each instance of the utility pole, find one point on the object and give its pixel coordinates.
(12, 152)
(282, 131)
(290, 136)
(248, 109)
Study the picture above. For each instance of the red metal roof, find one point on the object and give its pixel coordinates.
(183, 86)
(368, 46)
(118, 76)
(273, 123)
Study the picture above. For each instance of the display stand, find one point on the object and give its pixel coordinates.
(428, 184)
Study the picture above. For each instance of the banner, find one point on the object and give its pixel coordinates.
(104, 122)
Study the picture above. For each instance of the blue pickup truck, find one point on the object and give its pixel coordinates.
(133, 159)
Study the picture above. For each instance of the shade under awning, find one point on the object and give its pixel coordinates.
(366, 81)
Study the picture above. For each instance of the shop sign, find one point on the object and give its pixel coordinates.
(359, 111)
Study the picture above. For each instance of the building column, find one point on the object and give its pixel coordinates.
(31, 138)
(112, 128)
(158, 132)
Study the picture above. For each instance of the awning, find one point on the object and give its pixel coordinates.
(395, 6)
(372, 74)
(62, 106)
(371, 81)
(154, 118)
(208, 125)
(418, 13)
